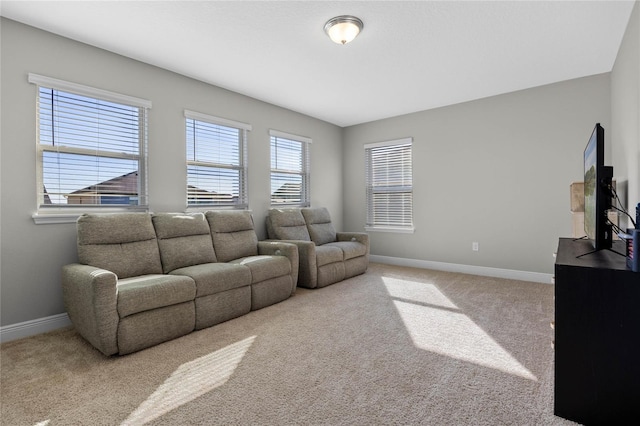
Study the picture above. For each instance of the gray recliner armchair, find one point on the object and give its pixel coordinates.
(326, 256)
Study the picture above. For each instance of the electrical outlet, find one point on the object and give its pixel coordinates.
(474, 246)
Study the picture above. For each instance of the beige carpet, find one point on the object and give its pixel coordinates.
(393, 346)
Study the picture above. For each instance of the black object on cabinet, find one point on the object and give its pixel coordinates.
(597, 335)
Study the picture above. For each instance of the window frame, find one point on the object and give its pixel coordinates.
(304, 172)
(69, 213)
(370, 223)
(243, 183)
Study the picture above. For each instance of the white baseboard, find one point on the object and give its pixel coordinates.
(33, 327)
(484, 271)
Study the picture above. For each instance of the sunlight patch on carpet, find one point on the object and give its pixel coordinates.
(191, 380)
(436, 324)
(417, 292)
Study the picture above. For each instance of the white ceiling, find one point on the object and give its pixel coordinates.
(411, 55)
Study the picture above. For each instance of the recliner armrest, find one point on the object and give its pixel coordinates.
(281, 248)
(91, 299)
(307, 271)
(361, 237)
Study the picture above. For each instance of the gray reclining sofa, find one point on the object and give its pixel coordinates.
(326, 256)
(143, 279)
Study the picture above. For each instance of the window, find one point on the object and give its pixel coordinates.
(389, 186)
(91, 148)
(216, 161)
(289, 169)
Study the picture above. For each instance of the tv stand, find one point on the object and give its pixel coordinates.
(597, 329)
(596, 251)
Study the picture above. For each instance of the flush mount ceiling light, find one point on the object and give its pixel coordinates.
(344, 28)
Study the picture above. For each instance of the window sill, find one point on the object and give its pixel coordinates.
(203, 209)
(289, 205)
(57, 217)
(46, 219)
(410, 230)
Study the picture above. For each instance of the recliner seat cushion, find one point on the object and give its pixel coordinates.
(319, 224)
(213, 278)
(183, 239)
(149, 292)
(350, 249)
(265, 267)
(123, 243)
(287, 224)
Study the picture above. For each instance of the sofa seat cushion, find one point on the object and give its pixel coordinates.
(328, 254)
(265, 267)
(147, 292)
(213, 278)
(351, 249)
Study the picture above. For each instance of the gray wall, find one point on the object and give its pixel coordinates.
(496, 171)
(625, 112)
(32, 255)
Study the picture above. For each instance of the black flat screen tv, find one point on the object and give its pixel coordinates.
(597, 192)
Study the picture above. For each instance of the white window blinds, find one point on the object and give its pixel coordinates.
(389, 183)
(91, 147)
(216, 161)
(290, 159)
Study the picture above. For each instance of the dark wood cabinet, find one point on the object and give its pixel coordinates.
(597, 335)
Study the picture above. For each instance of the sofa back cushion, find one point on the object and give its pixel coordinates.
(184, 240)
(123, 243)
(233, 234)
(287, 224)
(319, 225)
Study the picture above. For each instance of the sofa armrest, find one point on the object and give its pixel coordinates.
(308, 270)
(91, 299)
(361, 237)
(281, 248)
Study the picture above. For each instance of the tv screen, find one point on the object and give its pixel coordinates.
(597, 184)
